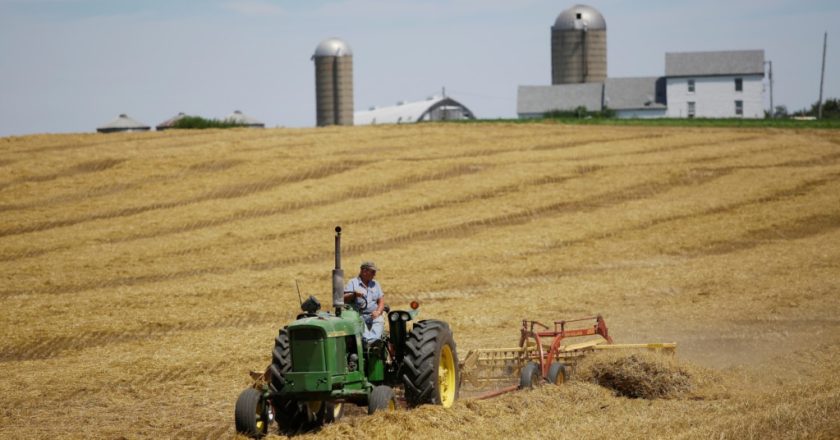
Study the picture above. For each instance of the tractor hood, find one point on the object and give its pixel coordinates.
(348, 324)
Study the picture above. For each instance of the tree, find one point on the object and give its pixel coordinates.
(831, 109)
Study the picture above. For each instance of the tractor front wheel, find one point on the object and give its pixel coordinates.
(430, 367)
(252, 414)
(333, 412)
(382, 398)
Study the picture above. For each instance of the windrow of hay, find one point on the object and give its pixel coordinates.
(642, 375)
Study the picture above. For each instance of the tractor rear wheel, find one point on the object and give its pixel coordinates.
(291, 415)
(430, 366)
(252, 414)
(558, 373)
(281, 360)
(530, 376)
(382, 398)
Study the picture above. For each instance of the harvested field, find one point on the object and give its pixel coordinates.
(145, 274)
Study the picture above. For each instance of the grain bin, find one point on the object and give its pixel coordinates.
(333, 83)
(121, 124)
(579, 46)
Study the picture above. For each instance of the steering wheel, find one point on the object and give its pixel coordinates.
(359, 301)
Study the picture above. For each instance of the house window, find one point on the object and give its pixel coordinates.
(691, 109)
(739, 84)
(579, 16)
(691, 86)
(739, 108)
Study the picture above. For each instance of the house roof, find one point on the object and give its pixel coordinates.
(122, 123)
(635, 93)
(733, 62)
(564, 97)
(405, 112)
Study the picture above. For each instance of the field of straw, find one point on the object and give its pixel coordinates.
(143, 275)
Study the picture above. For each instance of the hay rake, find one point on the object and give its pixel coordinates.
(543, 352)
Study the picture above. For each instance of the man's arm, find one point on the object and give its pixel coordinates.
(380, 306)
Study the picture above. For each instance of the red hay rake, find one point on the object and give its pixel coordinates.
(540, 347)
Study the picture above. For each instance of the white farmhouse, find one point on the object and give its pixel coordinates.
(715, 84)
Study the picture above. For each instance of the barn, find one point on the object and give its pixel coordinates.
(434, 108)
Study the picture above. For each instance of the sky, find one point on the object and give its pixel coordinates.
(74, 65)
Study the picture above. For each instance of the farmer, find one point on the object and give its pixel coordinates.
(366, 295)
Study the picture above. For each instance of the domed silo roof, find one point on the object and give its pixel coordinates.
(580, 17)
(122, 123)
(242, 119)
(333, 47)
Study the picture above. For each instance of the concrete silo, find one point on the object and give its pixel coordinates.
(333, 83)
(579, 46)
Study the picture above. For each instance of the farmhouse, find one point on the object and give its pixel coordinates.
(719, 84)
(434, 108)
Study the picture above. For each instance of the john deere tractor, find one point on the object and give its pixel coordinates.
(320, 363)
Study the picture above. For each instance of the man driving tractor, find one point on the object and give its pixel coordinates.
(366, 294)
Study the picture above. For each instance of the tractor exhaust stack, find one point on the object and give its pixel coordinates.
(338, 275)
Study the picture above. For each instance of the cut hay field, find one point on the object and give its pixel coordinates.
(143, 275)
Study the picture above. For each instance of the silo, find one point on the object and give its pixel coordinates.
(579, 46)
(333, 83)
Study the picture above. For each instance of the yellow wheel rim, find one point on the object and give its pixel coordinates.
(314, 406)
(337, 410)
(559, 379)
(446, 377)
(392, 406)
(260, 425)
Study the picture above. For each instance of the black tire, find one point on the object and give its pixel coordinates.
(530, 376)
(558, 374)
(281, 360)
(291, 416)
(382, 398)
(428, 343)
(252, 414)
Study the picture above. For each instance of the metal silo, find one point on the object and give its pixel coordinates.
(579, 46)
(333, 83)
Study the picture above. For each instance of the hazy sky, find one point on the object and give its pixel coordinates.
(73, 65)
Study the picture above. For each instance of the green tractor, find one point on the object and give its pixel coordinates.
(320, 362)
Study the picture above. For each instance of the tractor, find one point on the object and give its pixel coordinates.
(320, 363)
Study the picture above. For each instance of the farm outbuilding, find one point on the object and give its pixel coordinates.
(333, 60)
(170, 123)
(579, 46)
(435, 108)
(240, 118)
(123, 123)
